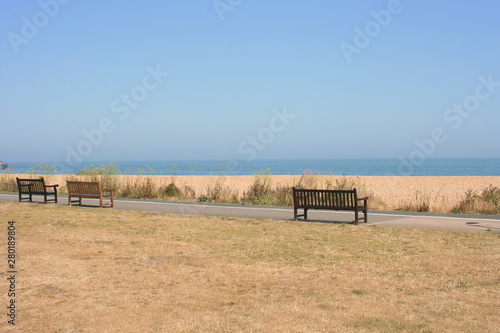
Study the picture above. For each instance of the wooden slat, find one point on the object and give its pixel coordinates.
(325, 198)
(90, 190)
(328, 199)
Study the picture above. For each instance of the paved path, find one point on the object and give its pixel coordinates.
(389, 219)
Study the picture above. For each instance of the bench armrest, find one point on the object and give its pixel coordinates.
(108, 189)
(364, 199)
(54, 186)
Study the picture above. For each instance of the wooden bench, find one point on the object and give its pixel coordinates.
(36, 187)
(89, 190)
(330, 200)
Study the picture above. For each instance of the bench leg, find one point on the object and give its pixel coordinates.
(366, 215)
(356, 217)
(296, 214)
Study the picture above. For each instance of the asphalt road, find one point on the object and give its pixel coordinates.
(476, 223)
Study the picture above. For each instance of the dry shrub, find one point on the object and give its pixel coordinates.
(146, 189)
(488, 202)
(188, 192)
(7, 184)
(139, 187)
(432, 194)
(218, 191)
(308, 180)
(345, 183)
(283, 194)
(375, 202)
(260, 192)
(420, 203)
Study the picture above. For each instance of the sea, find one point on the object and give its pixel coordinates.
(359, 167)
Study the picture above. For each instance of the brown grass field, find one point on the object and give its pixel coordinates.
(86, 269)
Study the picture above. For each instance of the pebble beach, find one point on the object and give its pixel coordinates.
(442, 193)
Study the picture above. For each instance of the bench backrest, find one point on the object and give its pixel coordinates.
(325, 198)
(31, 185)
(75, 187)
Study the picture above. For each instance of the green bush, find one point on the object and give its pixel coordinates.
(260, 192)
(41, 169)
(105, 173)
(172, 191)
(203, 198)
(488, 202)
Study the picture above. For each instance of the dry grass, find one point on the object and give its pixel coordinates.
(488, 202)
(105, 270)
(430, 194)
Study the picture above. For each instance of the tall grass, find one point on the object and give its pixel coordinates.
(262, 191)
(218, 190)
(7, 184)
(486, 202)
(140, 187)
(310, 180)
(420, 203)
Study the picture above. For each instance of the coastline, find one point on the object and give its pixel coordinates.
(340, 166)
(439, 193)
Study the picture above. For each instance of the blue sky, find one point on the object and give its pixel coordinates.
(239, 79)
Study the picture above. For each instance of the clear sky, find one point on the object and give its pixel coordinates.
(240, 79)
